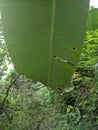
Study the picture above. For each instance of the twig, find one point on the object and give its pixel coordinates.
(4, 99)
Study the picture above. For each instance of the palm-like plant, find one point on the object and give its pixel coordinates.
(44, 38)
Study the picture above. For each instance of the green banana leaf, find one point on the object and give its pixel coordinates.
(44, 37)
(92, 19)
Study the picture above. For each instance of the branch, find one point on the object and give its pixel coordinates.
(4, 99)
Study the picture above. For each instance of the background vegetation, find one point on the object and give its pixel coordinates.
(29, 105)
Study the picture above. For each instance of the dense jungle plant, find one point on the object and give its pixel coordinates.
(31, 106)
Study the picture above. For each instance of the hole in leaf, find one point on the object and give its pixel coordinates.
(57, 58)
(74, 48)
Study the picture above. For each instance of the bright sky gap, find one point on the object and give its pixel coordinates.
(94, 3)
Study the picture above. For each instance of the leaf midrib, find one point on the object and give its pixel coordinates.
(51, 38)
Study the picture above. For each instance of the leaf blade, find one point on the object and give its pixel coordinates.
(36, 31)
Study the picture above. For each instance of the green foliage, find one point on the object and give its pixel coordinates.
(87, 84)
(4, 55)
(33, 106)
(93, 19)
(89, 56)
(44, 38)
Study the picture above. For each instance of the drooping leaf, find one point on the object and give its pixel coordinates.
(44, 37)
(93, 19)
